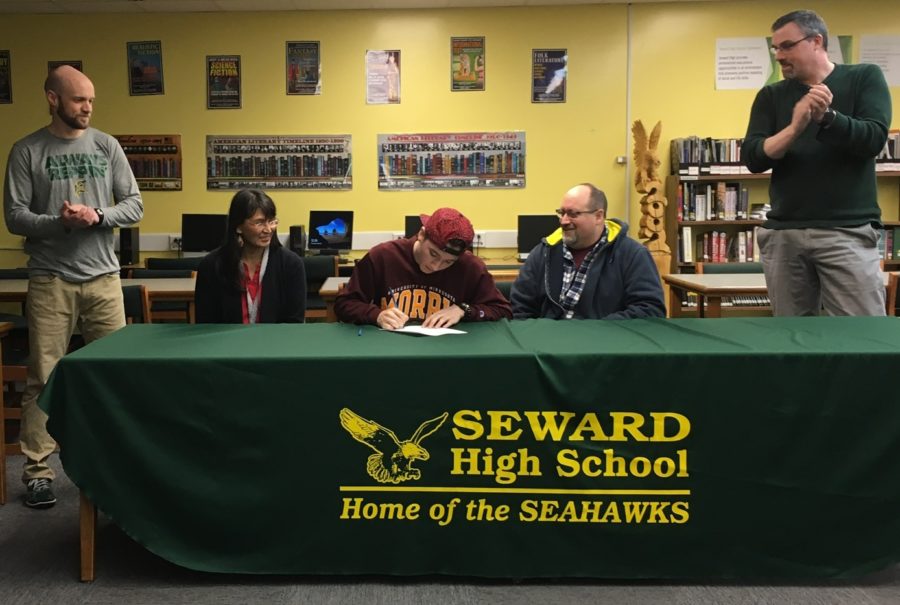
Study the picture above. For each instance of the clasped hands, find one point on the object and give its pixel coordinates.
(393, 318)
(811, 108)
(78, 216)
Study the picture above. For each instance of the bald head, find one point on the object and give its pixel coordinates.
(70, 95)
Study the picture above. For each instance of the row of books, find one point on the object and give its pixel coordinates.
(722, 201)
(718, 246)
(301, 166)
(160, 168)
(503, 163)
(732, 301)
(889, 243)
(697, 156)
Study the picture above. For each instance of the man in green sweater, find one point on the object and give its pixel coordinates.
(819, 130)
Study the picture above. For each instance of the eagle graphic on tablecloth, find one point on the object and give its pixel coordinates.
(393, 459)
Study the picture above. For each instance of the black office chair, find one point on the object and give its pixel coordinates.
(167, 310)
(137, 304)
(505, 288)
(318, 269)
(191, 263)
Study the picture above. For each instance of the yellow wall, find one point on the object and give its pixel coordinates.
(674, 55)
(671, 79)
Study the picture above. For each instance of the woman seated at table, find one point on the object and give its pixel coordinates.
(251, 278)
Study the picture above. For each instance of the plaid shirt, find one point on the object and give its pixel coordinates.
(573, 280)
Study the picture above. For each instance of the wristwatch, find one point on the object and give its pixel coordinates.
(466, 307)
(828, 118)
(100, 216)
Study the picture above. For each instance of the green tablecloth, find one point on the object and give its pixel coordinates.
(646, 448)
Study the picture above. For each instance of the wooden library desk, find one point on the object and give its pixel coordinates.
(711, 288)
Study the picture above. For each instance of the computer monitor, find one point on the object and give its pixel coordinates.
(533, 227)
(413, 225)
(330, 230)
(202, 232)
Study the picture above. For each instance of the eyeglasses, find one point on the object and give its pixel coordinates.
(272, 223)
(786, 46)
(573, 213)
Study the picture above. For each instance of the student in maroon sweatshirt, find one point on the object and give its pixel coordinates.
(430, 278)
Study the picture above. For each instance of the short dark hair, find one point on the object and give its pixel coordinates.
(809, 22)
(597, 198)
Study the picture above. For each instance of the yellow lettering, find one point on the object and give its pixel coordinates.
(659, 426)
(589, 422)
(467, 420)
(502, 421)
(627, 422)
(549, 425)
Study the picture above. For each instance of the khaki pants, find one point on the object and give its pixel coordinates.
(54, 308)
(811, 270)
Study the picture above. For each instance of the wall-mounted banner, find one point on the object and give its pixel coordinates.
(304, 68)
(467, 64)
(5, 77)
(463, 160)
(549, 75)
(322, 162)
(223, 81)
(155, 160)
(145, 70)
(382, 77)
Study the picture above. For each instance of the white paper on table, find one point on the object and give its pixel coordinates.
(420, 331)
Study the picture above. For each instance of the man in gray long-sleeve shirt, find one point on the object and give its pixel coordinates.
(67, 186)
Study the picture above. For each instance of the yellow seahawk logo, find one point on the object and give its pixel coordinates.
(393, 459)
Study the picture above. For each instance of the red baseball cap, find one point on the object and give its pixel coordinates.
(449, 230)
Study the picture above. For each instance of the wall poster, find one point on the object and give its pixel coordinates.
(463, 160)
(321, 162)
(223, 81)
(304, 68)
(5, 77)
(145, 71)
(466, 64)
(155, 160)
(382, 77)
(549, 75)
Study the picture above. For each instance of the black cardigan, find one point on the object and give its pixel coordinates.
(283, 291)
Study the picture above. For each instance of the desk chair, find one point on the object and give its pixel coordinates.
(166, 310)
(505, 288)
(890, 295)
(137, 304)
(318, 269)
(191, 263)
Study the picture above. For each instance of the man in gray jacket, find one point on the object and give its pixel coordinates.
(589, 268)
(57, 194)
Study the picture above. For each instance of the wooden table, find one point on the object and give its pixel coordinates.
(170, 288)
(329, 292)
(713, 287)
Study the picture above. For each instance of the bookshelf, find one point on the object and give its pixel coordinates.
(704, 169)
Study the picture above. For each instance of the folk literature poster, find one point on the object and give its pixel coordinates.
(5, 77)
(145, 71)
(320, 162)
(456, 160)
(466, 64)
(549, 75)
(304, 68)
(76, 63)
(155, 160)
(382, 77)
(223, 81)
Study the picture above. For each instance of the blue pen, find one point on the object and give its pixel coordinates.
(359, 332)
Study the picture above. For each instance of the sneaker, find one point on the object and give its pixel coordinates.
(39, 494)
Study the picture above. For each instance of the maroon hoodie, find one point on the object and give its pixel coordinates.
(389, 276)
